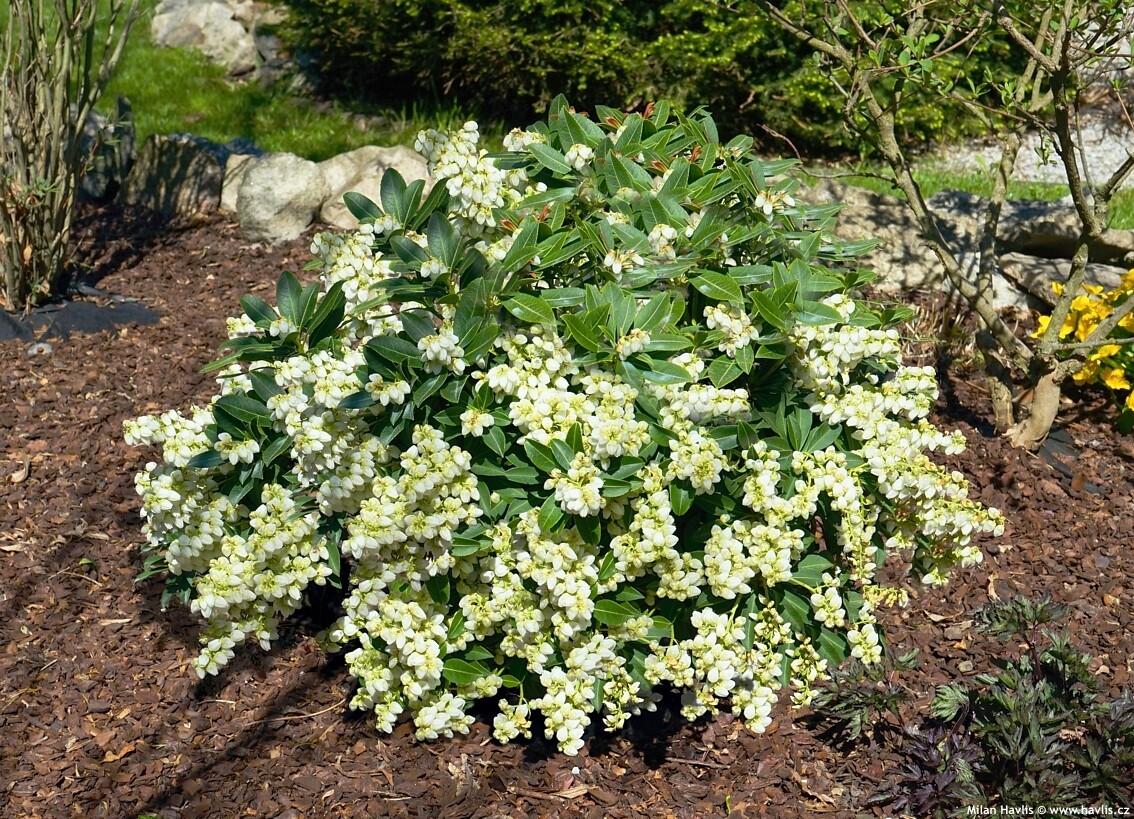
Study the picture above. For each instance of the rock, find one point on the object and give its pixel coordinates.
(1036, 228)
(902, 260)
(112, 149)
(209, 27)
(178, 174)
(361, 170)
(1035, 275)
(279, 197)
(241, 153)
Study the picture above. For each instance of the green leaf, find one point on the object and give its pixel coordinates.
(745, 358)
(540, 456)
(613, 613)
(550, 516)
(607, 567)
(530, 309)
(477, 652)
(589, 528)
(257, 309)
(362, 208)
(832, 647)
(418, 324)
(443, 241)
(822, 437)
(562, 453)
(480, 341)
(264, 385)
(717, 286)
(288, 293)
(439, 588)
(395, 350)
(328, 315)
(460, 672)
(631, 135)
(494, 437)
(668, 343)
(661, 371)
(523, 248)
(550, 158)
(796, 610)
(244, 409)
(653, 312)
(814, 312)
(276, 448)
(581, 332)
(809, 571)
(563, 296)
(392, 191)
(206, 460)
(456, 626)
(723, 371)
(334, 560)
(680, 497)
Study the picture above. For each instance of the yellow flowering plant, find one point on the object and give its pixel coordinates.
(1111, 364)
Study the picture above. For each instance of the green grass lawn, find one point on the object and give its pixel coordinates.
(933, 180)
(174, 90)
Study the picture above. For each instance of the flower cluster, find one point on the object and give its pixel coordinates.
(563, 435)
(1110, 364)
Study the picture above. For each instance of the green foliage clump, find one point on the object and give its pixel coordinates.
(595, 416)
(1036, 732)
(505, 60)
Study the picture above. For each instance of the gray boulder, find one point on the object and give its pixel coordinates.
(901, 260)
(361, 170)
(1032, 227)
(1035, 275)
(279, 196)
(177, 174)
(209, 27)
(241, 154)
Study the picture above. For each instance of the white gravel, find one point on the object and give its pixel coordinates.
(1106, 141)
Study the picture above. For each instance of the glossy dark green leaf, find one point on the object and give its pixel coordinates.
(257, 309)
(288, 294)
(717, 286)
(530, 309)
(461, 672)
(328, 315)
(362, 208)
(614, 613)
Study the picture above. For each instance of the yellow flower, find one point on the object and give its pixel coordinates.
(1041, 326)
(1058, 287)
(1130, 401)
(1116, 379)
(1081, 304)
(1127, 284)
(1127, 322)
(1105, 351)
(1093, 289)
(1087, 374)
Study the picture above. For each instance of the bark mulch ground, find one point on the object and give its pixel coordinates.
(100, 716)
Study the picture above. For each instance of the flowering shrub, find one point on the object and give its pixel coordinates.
(1110, 364)
(596, 415)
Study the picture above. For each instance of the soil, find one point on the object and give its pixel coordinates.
(100, 715)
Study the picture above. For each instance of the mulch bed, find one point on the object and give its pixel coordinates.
(101, 717)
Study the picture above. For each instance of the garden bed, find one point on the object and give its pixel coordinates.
(100, 714)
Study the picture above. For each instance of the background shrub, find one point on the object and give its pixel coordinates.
(506, 60)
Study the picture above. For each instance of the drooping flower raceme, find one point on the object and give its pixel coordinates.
(581, 423)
